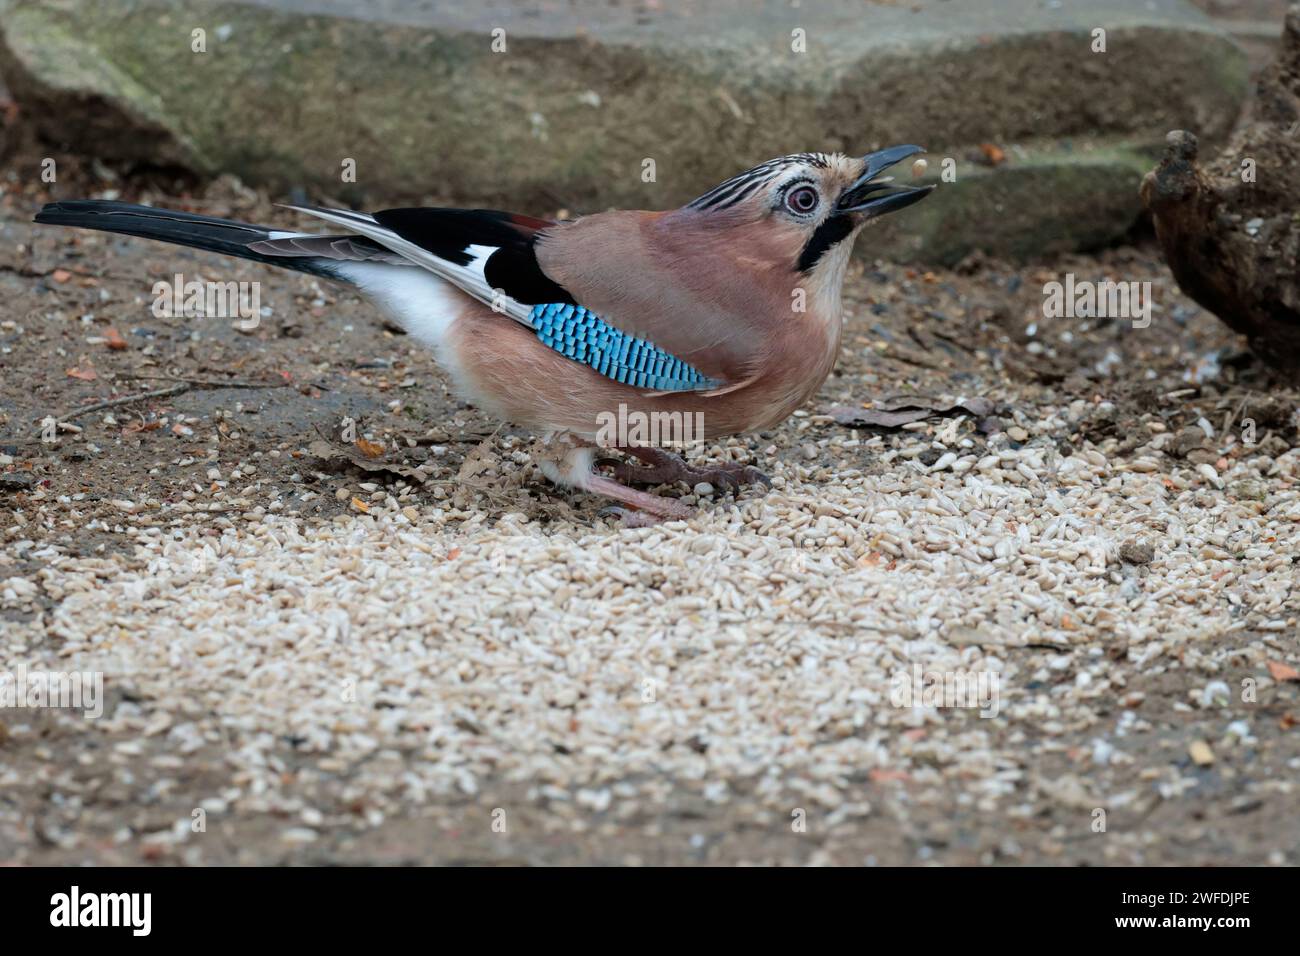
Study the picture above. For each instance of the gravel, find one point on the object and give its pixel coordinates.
(417, 651)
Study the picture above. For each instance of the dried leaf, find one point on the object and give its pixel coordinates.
(330, 452)
(370, 449)
(361, 506)
(871, 417)
(896, 412)
(973, 406)
(994, 155)
(475, 463)
(87, 374)
(113, 339)
(1282, 672)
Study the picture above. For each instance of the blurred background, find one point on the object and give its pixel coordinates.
(561, 105)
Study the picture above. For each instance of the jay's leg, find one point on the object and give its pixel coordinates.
(570, 464)
(650, 509)
(663, 468)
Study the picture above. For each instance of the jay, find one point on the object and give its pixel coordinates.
(725, 312)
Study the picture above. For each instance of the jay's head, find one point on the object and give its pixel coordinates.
(805, 209)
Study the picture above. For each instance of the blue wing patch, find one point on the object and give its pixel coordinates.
(587, 338)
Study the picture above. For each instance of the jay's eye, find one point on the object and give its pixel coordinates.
(802, 200)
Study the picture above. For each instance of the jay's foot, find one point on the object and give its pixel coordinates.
(664, 468)
(629, 518)
(649, 509)
(568, 463)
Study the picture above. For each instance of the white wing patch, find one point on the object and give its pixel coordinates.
(478, 263)
(427, 307)
(418, 301)
(469, 278)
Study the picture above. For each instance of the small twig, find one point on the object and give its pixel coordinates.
(182, 385)
(126, 400)
(908, 357)
(956, 342)
(206, 382)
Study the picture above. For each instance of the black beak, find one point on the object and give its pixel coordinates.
(870, 199)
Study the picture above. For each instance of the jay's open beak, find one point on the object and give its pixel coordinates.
(870, 197)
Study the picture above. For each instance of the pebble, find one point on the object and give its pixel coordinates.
(1137, 552)
(1215, 694)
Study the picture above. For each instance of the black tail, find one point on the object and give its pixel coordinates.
(182, 228)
